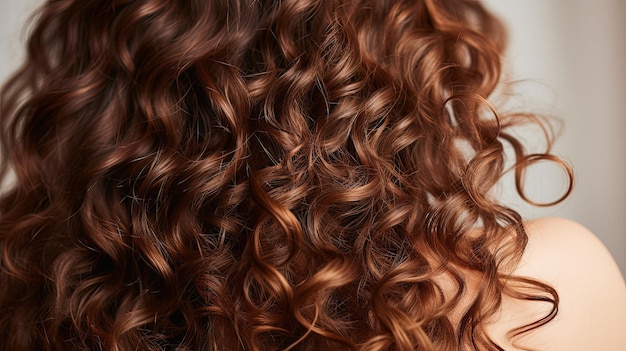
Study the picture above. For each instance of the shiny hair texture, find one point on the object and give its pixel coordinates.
(259, 175)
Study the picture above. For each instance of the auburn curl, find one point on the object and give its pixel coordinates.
(257, 175)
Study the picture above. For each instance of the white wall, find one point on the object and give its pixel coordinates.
(13, 15)
(573, 53)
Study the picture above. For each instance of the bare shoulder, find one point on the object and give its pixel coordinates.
(592, 292)
(559, 249)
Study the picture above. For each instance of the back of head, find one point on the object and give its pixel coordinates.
(255, 175)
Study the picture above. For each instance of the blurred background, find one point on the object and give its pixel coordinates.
(570, 56)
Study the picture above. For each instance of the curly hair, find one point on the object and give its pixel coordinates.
(259, 175)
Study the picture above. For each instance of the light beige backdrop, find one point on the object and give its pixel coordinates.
(572, 54)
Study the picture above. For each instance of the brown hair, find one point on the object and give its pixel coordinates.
(258, 175)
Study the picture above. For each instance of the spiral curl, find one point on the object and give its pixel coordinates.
(257, 175)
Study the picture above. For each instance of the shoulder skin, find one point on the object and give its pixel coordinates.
(592, 292)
